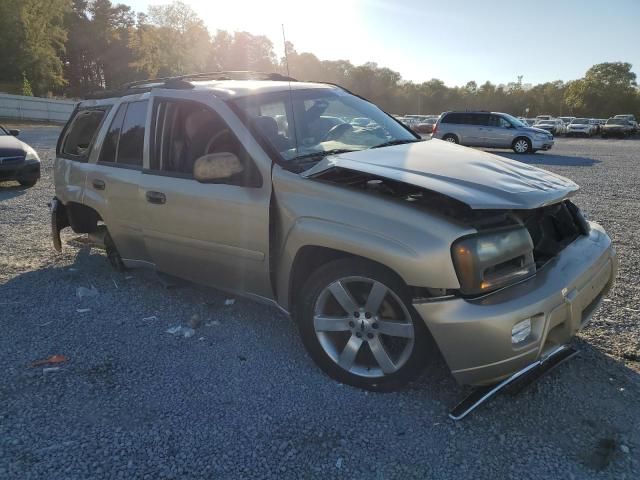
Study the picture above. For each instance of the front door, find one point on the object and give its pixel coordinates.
(500, 132)
(211, 233)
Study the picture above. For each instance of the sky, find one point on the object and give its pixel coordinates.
(457, 41)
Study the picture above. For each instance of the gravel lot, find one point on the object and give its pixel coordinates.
(241, 399)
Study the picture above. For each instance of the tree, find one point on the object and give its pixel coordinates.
(32, 35)
(174, 41)
(606, 89)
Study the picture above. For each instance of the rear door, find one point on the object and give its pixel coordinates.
(477, 129)
(211, 233)
(74, 149)
(112, 186)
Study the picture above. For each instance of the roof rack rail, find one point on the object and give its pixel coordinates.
(182, 82)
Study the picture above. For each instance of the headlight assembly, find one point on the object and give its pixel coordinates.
(488, 261)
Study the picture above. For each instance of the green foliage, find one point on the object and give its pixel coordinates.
(32, 38)
(78, 46)
(26, 86)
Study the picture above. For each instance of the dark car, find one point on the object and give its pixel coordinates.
(18, 161)
(617, 127)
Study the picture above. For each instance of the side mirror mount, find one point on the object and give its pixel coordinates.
(14, 131)
(215, 167)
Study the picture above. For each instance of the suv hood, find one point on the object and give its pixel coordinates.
(478, 179)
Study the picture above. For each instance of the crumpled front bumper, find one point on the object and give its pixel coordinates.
(25, 171)
(474, 336)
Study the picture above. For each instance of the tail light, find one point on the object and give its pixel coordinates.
(435, 128)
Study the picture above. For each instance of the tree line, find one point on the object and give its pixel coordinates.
(76, 47)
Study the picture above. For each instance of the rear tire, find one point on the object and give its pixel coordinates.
(358, 325)
(522, 145)
(449, 137)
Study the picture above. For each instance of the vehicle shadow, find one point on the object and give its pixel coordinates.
(8, 191)
(548, 159)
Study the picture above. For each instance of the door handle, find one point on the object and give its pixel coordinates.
(158, 198)
(98, 184)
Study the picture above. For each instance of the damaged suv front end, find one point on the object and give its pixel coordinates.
(531, 270)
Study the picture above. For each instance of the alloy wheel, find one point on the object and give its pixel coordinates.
(521, 146)
(364, 327)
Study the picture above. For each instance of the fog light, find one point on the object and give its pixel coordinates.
(521, 331)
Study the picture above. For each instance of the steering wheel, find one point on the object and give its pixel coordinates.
(338, 131)
(214, 139)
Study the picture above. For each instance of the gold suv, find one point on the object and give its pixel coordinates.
(382, 246)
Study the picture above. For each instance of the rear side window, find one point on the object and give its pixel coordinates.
(124, 142)
(81, 132)
(452, 118)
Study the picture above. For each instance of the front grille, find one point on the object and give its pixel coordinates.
(552, 228)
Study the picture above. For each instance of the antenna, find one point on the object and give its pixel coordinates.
(293, 115)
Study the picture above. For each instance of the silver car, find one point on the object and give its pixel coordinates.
(491, 129)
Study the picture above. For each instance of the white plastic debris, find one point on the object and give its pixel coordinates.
(82, 292)
(339, 462)
(180, 330)
(83, 310)
(201, 339)
(624, 449)
(229, 301)
(149, 319)
(50, 370)
(213, 323)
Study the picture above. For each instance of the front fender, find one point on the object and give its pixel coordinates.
(408, 263)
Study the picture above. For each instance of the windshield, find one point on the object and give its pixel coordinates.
(616, 121)
(514, 120)
(580, 120)
(308, 124)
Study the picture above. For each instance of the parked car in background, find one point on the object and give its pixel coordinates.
(18, 161)
(566, 120)
(385, 248)
(554, 126)
(426, 125)
(626, 116)
(491, 129)
(360, 122)
(617, 127)
(543, 117)
(596, 125)
(530, 121)
(580, 127)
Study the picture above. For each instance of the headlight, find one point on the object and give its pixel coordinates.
(542, 136)
(31, 154)
(488, 261)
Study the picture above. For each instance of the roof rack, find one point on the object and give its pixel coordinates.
(183, 82)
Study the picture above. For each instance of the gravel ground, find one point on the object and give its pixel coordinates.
(241, 399)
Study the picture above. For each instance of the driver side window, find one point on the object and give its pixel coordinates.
(185, 131)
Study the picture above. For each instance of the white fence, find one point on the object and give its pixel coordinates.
(19, 107)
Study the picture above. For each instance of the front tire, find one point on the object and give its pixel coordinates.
(358, 325)
(27, 183)
(449, 137)
(522, 145)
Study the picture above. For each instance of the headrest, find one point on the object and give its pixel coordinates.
(266, 125)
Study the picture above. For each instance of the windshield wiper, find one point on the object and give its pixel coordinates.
(390, 143)
(321, 154)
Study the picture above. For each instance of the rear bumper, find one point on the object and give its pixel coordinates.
(474, 336)
(26, 171)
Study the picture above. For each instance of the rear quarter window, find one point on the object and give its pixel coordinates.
(80, 133)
